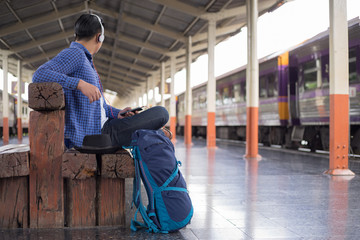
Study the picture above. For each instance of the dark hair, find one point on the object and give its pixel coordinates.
(87, 26)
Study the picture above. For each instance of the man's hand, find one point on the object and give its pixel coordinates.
(128, 114)
(89, 90)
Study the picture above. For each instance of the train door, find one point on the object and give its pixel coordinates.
(293, 93)
(297, 131)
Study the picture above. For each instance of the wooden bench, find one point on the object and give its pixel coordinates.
(48, 187)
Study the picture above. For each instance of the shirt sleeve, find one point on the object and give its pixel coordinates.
(111, 112)
(60, 68)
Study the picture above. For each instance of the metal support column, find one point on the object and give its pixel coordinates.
(147, 91)
(188, 94)
(172, 97)
(19, 101)
(5, 99)
(339, 89)
(144, 98)
(252, 82)
(211, 87)
(162, 84)
(153, 88)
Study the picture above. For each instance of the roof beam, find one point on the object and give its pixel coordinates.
(33, 44)
(136, 42)
(137, 22)
(225, 13)
(125, 64)
(122, 52)
(41, 20)
(182, 7)
(154, 28)
(130, 81)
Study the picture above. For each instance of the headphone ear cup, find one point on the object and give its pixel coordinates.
(101, 38)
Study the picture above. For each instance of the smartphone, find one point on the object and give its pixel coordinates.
(132, 110)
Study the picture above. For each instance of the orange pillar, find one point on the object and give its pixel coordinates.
(5, 99)
(339, 90)
(339, 135)
(211, 86)
(211, 131)
(19, 129)
(252, 82)
(188, 94)
(173, 98)
(5, 130)
(188, 130)
(173, 127)
(19, 102)
(252, 117)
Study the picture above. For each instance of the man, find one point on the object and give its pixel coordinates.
(86, 110)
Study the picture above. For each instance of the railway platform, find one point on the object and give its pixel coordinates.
(283, 196)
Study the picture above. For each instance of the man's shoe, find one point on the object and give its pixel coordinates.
(167, 133)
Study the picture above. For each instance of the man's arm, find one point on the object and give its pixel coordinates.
(59, 68)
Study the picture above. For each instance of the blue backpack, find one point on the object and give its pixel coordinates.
(169, 204)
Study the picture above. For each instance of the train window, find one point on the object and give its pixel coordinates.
(182, 106)
(218, 99)
(352, 66)
(202, 101)
(195, 103)
(236, 91)
(262, 87)
(272, 86)
(243, 90)
(310, 75)
(226, 96)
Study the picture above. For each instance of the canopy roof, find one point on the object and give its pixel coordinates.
(140, 34)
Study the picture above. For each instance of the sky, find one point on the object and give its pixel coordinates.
(287, 26)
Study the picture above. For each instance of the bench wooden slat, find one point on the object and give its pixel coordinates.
(78, 165)
(118, 165)
(14, 161)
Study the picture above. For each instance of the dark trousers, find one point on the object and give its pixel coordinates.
(120, 130)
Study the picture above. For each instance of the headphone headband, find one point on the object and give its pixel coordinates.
(102, 36)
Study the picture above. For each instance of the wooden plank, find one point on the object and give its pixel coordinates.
(79, 165)
(11, 148)
(119, 165)
(111, 202)
(14, 203)
(80, 202)
(46, 96)
(46, 134)
(14, 164)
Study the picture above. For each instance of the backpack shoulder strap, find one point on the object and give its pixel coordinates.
(148, 223)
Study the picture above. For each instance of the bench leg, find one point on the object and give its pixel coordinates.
(46, 183)
(111, 202)
(80, 202)
(14, 206)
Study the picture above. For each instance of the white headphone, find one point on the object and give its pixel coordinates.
(102, 36)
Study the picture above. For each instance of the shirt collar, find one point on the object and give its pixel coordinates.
(80, 46)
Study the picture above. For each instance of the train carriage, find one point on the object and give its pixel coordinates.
(309, 64)
(13, 115)
(293, 97)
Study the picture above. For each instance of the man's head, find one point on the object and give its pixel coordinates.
(88, 26)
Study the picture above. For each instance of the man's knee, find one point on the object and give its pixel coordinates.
(161, 112)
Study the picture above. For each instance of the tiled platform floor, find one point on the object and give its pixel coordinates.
(283, 196)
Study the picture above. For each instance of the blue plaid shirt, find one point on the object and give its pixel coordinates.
(67, 68)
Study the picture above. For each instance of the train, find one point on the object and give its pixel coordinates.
(25, 112)
(293, 98)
